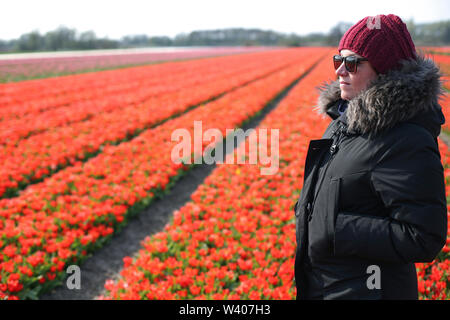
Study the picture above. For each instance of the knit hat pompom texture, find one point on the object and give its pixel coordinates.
(384, 40)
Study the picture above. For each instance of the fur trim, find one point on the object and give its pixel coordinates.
(393, 97)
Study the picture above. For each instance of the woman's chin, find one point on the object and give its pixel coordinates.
(346, 95)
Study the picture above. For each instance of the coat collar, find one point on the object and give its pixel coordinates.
(408, 94)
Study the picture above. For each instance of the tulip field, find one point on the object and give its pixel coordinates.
(84, 154)
(14, 67)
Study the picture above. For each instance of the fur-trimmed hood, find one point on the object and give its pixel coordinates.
(408, 94)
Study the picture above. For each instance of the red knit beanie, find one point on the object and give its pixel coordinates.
(383, 40)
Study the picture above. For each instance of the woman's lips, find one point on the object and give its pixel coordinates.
(343, 83)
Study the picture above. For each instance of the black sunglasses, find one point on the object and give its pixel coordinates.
(350, 62)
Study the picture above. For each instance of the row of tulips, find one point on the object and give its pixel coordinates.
(443, 62)
(43, 154)
(445, 104)
(68, 89)
(145, 81)
(53, 92)
(13, 130)
(61, 63)
(236, 238)
(437, 50)
(62, 219)
(74, 92)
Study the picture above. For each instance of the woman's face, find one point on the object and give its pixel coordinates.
(352, 84)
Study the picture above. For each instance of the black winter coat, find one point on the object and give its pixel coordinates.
(374, 190)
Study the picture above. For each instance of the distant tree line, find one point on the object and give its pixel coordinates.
(63, 38)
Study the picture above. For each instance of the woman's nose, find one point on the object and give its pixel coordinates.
(342, 71)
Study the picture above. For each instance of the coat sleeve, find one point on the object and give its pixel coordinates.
(408, 177)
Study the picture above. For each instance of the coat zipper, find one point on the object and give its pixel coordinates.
(333, 150)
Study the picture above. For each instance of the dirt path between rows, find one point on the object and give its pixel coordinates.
(107, 262)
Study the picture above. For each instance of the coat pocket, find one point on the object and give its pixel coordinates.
(352, 288)
(332, 209)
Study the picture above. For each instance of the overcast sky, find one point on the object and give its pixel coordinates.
(116, 18)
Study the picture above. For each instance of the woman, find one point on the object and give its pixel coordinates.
(373, 200)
